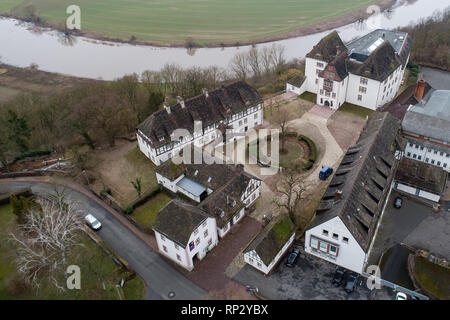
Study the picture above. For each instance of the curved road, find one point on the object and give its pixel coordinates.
(159, 276)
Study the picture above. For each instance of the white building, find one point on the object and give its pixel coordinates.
(365, 72)
(185, 233)
(420, 179)
(426, 127)
(223, 191)
(268, 247)
(203, 119)
(198, 181)
(347, 217)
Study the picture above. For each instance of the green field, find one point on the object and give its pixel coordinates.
(174, 21)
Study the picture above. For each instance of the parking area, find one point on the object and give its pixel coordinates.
(415, 225)
(309, 279)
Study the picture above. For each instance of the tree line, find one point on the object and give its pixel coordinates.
(431, 40)
(100, 111)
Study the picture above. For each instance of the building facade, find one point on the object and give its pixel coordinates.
(199, 121)
(346, 220)
(426, 127)
(365, 72)
(184, 233)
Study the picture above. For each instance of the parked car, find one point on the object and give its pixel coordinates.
(338, 277)
(350, 282)
(292, 258)
(92, 222)
(401, 296)
(398, 202)
(325, 173)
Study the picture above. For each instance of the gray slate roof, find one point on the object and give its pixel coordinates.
(363, 56)
(178, 220)
(363, 178)
(363, 47)
(219, 105)
(297, 81)
(421, 175)
(431, 117)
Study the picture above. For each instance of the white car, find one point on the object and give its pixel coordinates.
(401, 296)
(92, 222)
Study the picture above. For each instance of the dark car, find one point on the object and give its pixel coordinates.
(338, 277)
(350, 282)
(398, 202)
(290, 261)
(325, 173)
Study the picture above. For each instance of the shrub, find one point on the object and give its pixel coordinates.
(33, 153)
(129, 210)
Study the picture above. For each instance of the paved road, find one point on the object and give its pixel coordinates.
(159, 276)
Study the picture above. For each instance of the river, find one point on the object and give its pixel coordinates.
(21, 46)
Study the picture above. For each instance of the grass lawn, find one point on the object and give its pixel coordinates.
(147, 213)
(309, 96)
(96, 268)
(356, 110)
(174, 21)
(433, 278)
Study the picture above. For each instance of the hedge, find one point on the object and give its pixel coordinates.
(32, 153)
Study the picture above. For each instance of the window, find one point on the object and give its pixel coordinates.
(317, 71)
(319, 64)
(419, 157)
(209, 242)
(328, 84)
(177, 247)
(438, 163)
(363, 81)
(314, 243)
(195, 232)
(417, 146)
(259, 265)
(205, 234)
(334, 95)
(414, 156)
(321, 91)
(427, 160)
(165, 248)
(335, 236)
(197, 242)
(250, 260)
(256, 116)
(317, 81)
(345, 239)
(359, 97)
(245, 120)
(441, 153)
(333, 250)
(323, 246)
(163, 238)
(409, 154)
(421, 148)
(432, 161)
(178, 257)
(445, 165)
(325, 232)
(362, 89)
(204, 224)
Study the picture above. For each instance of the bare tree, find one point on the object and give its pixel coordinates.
(292, 190)
(45, 240)
(254, 61)
(239, 65)
(282, 118)
(278, 55)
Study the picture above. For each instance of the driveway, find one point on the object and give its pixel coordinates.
(159, 276)
(415, 225)
(309, 279)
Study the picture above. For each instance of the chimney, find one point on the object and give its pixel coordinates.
(167, 107)
(420, 90)
(205, 92)
(180, 101)
(337, 195)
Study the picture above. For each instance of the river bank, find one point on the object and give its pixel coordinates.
(191, 43)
